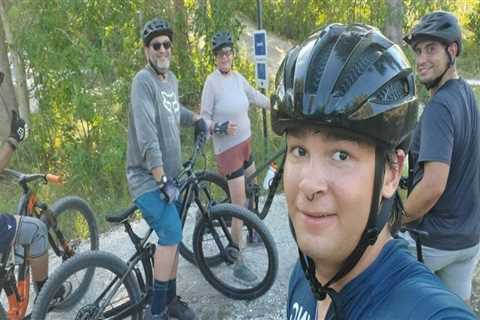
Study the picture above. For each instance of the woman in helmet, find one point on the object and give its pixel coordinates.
(346, 101)
(226, 98)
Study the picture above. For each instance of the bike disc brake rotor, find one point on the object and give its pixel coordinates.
(87, 312)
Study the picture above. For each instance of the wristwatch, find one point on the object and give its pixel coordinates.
(163, 180)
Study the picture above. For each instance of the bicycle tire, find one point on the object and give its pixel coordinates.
(64, 210)
(99, 260)
(215, 184)
(217, 275)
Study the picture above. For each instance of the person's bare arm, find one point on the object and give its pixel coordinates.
(427, 192)
(5, 155)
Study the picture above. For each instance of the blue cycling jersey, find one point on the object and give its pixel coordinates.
(394, 286)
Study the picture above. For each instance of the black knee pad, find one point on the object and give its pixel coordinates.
(235, 174)
(249, 162)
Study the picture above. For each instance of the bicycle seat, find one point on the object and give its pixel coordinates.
(122, 215)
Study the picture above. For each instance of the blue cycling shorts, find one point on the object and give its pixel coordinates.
(161, 217)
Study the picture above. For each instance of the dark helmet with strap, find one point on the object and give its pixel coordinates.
(353, 78)
(438, 25)
(154, 28)
(221, 40)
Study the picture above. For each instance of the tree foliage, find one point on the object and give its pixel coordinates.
(80, 56)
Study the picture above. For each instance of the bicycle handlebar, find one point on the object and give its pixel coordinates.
(24, 178)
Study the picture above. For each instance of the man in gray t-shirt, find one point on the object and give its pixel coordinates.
(153, 160)
(445, 152)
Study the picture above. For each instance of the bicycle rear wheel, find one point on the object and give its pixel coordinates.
(212, 235)
(106, 296)
(213, 189)
(76, 222)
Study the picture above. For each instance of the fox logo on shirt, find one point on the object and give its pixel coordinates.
(299, 313)
(170, 102)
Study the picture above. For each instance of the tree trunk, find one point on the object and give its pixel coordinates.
(394, 20)
(20, 88)
(8, 101)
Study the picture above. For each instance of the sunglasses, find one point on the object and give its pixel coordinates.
(157, 45)
(224, 53)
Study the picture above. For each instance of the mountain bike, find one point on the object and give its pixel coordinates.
(71, 228)
(120, 290)
(218, 187)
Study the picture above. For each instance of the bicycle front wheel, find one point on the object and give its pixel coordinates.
(77, 225)
(213, 189)
(245, 274)
(113, 293)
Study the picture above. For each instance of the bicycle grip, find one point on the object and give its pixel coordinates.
(54, 179)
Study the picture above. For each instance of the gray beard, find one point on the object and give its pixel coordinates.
(162, 67)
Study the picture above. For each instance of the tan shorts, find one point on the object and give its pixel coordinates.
(234, 159)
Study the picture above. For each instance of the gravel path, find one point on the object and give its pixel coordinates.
(205, 300)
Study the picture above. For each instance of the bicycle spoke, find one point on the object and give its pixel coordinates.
(247, 269)
(104, 298)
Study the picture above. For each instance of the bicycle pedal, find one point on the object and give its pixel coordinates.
(231, 254)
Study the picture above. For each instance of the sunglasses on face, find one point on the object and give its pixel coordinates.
(224, 53)
(157, 45)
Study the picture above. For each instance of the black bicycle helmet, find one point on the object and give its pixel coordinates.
(221, 40)
(353, 78)
(350, 77)
(439, 25)
(154, 28)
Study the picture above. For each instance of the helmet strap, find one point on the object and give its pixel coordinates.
(378, 217)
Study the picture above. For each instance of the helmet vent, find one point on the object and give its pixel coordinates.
(354, 71)
(445, 26)
(318, 63)
(391, 92)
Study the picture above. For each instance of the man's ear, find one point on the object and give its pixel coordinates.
(453, 49)
(393, 173)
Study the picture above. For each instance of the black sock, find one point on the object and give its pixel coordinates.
(159, 301)
(172, 290)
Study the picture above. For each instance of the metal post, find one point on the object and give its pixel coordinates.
(264, 112)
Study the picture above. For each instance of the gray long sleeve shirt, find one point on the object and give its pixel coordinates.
(153, 129)
(228, 98)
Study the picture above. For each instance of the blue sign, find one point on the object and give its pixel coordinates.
(261, 75)
(260, 44)
(262, 71)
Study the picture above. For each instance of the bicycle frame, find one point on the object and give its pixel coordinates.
(18, 289)
(30, 205)
(253, 189)
(144, 251)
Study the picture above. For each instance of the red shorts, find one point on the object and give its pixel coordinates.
(235, 158)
